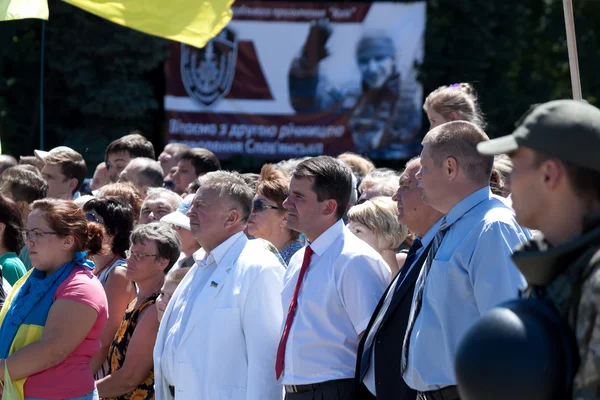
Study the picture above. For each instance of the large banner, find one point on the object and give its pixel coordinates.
(295, 79)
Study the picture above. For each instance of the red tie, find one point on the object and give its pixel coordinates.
(308, 252)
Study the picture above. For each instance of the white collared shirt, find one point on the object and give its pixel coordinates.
(341, 289)
(182, 309)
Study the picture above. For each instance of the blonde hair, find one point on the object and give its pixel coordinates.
(359, 165)
(177, 275)
(383, 180)
(460, 99)
(380, 214)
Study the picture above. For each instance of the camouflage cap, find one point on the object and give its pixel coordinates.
(566, 129)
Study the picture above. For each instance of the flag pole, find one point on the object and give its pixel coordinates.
(42, 85)
(572, 47)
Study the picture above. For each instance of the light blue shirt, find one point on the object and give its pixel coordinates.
(369, 379)
(471, 273)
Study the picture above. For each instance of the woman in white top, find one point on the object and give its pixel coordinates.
(117, 218)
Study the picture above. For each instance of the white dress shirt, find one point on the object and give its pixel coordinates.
(341, 289)
(177, 321)
(472, 272)
(369, 379)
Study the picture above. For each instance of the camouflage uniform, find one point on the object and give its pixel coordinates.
(569, 277)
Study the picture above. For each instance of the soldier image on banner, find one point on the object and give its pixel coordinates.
(384, 118)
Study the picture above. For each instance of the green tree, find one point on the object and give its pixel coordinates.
(100, 83)
(514, 51)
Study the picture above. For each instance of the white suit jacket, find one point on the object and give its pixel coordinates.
(229, 346)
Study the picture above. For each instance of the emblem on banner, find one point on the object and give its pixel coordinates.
(208, 73)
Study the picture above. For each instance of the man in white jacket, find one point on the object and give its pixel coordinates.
(219, 334)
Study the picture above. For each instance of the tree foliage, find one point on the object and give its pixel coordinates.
(514, 51)
(100, 82)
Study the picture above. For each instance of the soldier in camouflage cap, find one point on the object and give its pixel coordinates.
(556, 190)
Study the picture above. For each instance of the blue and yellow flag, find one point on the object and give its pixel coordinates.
(21, 9)
(192, 22)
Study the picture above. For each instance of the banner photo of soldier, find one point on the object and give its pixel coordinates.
(23, 9)
(296, 79)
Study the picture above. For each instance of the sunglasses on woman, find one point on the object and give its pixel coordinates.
(259, 206)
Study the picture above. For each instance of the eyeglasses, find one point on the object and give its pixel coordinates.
(138, 256)
(35, 235)
(259, 206)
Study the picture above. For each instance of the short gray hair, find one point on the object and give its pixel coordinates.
(287, 167)
(149, 171)
(168, 243)
(383, 180)
(459, 139)
(231, 185)
(158, 192)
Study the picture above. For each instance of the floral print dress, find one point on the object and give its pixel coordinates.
(118, 351)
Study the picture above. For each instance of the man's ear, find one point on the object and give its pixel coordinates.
(450, 168)
(330, 207)
(73, 182)
(233, 217)
(553, 171)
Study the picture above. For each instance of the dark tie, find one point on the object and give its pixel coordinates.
(370, 340)
(308, 252)
(410, 259)
(418, 302)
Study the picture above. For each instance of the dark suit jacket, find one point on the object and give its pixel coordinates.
(388, 342)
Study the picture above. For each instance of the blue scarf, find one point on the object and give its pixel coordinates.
(31, 304)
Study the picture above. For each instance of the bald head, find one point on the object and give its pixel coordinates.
(458, 140)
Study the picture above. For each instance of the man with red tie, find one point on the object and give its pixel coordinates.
(331, 287)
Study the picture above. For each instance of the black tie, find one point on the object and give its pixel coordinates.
(410, 259)
(420, 288)
(370, 340)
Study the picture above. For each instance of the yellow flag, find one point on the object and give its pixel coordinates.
(21, 9)
(192, 22)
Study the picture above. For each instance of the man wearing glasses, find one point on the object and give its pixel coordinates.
(219, 334)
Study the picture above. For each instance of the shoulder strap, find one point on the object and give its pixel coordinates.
(591, 266)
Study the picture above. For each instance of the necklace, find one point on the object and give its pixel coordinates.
(97, 273)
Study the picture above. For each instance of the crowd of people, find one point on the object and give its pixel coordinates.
(319, 278)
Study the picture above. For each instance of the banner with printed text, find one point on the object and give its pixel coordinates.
(295, 79)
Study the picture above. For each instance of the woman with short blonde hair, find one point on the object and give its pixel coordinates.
(376, 222)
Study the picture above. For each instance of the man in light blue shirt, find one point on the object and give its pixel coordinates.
(468, 269)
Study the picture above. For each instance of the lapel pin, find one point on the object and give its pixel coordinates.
(214, 284)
